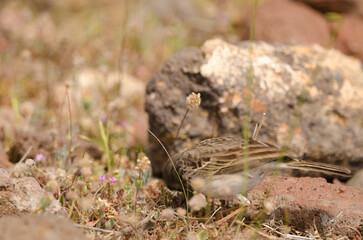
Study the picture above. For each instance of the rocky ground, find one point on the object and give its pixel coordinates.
(81, 83)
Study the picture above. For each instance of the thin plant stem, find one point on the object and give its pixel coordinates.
(248, 96)
(106, 146)
(15, 106)
(181, 124)
(180, 180)
(70, 124)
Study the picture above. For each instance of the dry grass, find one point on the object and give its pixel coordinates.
(64, 65)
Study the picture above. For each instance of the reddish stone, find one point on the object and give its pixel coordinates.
(283, 20)
(350, 36)
(339, 6)
(309, 203)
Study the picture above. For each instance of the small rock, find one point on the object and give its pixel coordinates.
(24, 195)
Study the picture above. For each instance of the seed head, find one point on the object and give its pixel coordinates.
(86, 171)
(167, 214)
(52, 185)
(29, 163)
(71, 195)
(198, 202)
(143, 163)
(181, 212)
(86, 203)
(197, 183)
(193, 100)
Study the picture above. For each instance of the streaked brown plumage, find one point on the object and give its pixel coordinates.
(220, 163)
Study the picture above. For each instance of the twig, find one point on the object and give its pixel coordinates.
(140, 224)
(259, 232)
(94, 228)
(229, 216)
(70, 124)
(99, 189)
(288, 236)
(26, 154)
(123, 231)
(213, 214)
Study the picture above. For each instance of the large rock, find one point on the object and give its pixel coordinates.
(328, 126)
(19, 196)
(308, 204)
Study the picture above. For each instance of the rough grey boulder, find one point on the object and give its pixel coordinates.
(313, 98)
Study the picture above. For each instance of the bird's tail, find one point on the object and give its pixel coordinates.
(318, 167)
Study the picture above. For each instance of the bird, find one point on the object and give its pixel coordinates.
(224, 167)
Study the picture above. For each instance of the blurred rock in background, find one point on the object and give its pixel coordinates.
(307, 21)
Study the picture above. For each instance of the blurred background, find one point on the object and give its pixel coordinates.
(86, 60)
(73, 75)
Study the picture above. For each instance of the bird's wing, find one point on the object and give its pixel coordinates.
(250, 156)
(226, 156)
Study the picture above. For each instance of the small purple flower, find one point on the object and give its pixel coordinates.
(102, 178)
(123, 123)
(103, 117)
(112, 179)
(39, 157)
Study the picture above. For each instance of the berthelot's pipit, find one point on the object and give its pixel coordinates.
(226, 166)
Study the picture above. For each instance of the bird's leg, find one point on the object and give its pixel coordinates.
(213, 207)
